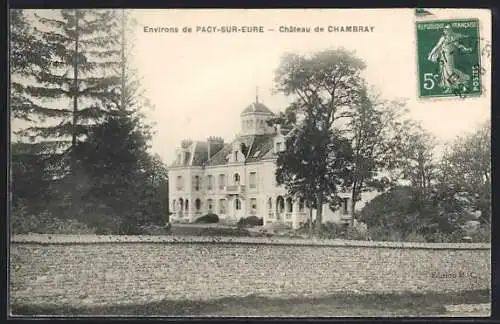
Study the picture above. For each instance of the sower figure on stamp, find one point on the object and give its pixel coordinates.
(444, 53)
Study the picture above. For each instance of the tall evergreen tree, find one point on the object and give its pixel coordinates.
(27, 56)
(73, 94)
(125, 179)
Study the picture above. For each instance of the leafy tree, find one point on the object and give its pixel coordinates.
(401, 212)
(416, 159)
(374, 135)
(315, 167)
(323, 87)
(465, 173)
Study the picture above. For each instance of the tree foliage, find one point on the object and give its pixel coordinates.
(88, 145)
(373, 130)
(465, 171)
(324, 87)
(444, 197)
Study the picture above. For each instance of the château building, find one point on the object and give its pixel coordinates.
(237, 179)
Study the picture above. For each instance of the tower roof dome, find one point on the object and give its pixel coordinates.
(258, 108)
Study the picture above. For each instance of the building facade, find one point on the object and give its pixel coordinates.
(237, 179)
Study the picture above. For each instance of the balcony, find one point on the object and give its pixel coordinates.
(234, 190)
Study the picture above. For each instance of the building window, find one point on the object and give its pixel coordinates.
(210, 204)
(253, 179)
(345, 209)
(174, 202)
(280, 204)
(196, 183)
(210, 183)
(179, 184)
(237, 204)
(235, 156)
(186, 205)
(278, 146)
(181, 205)
(222, 181)
(253, 205)
(301, 205)
(270, 203)
(197, 204)
(236, 178)
(222, 206)
(289, 205)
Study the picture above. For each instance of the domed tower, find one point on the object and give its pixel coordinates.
(254, 119)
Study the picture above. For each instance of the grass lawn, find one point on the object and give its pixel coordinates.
(430, 304)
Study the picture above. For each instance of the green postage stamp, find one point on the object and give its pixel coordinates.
(449, 58)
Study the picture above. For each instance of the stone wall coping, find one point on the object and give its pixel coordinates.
(75, 239)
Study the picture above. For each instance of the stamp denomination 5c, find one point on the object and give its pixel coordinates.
(449, 58)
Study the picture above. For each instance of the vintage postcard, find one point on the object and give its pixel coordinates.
(271, 163)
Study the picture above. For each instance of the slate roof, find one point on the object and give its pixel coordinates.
(257, 107)
(200, 153)
(198, 150)
(260, 147)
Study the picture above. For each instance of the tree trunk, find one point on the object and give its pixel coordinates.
(310, 222)
(74, 198)
(319, 213)
(353, 208)
(123, 67)
(353, 203)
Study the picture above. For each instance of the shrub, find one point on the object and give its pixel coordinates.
(483, 234)
(208, 219)
(250, 221)
(23, 222)
(331, 230)
(356, 233)
(154, 229)
(240, 232)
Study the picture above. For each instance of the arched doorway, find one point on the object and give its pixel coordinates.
(197, 205)
(270, 207)
(289, 207)
(181, 207)
(280, 207)
(238, 208)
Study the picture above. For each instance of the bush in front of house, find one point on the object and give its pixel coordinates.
(250, 221)
(208, 219)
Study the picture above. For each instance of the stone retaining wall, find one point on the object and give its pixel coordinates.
(83, 270)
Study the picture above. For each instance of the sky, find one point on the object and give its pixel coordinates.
(199, 82)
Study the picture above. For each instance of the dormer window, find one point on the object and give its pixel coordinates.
(236, 178)
(279, 143)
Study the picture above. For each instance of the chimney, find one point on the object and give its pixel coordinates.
(215, 144)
